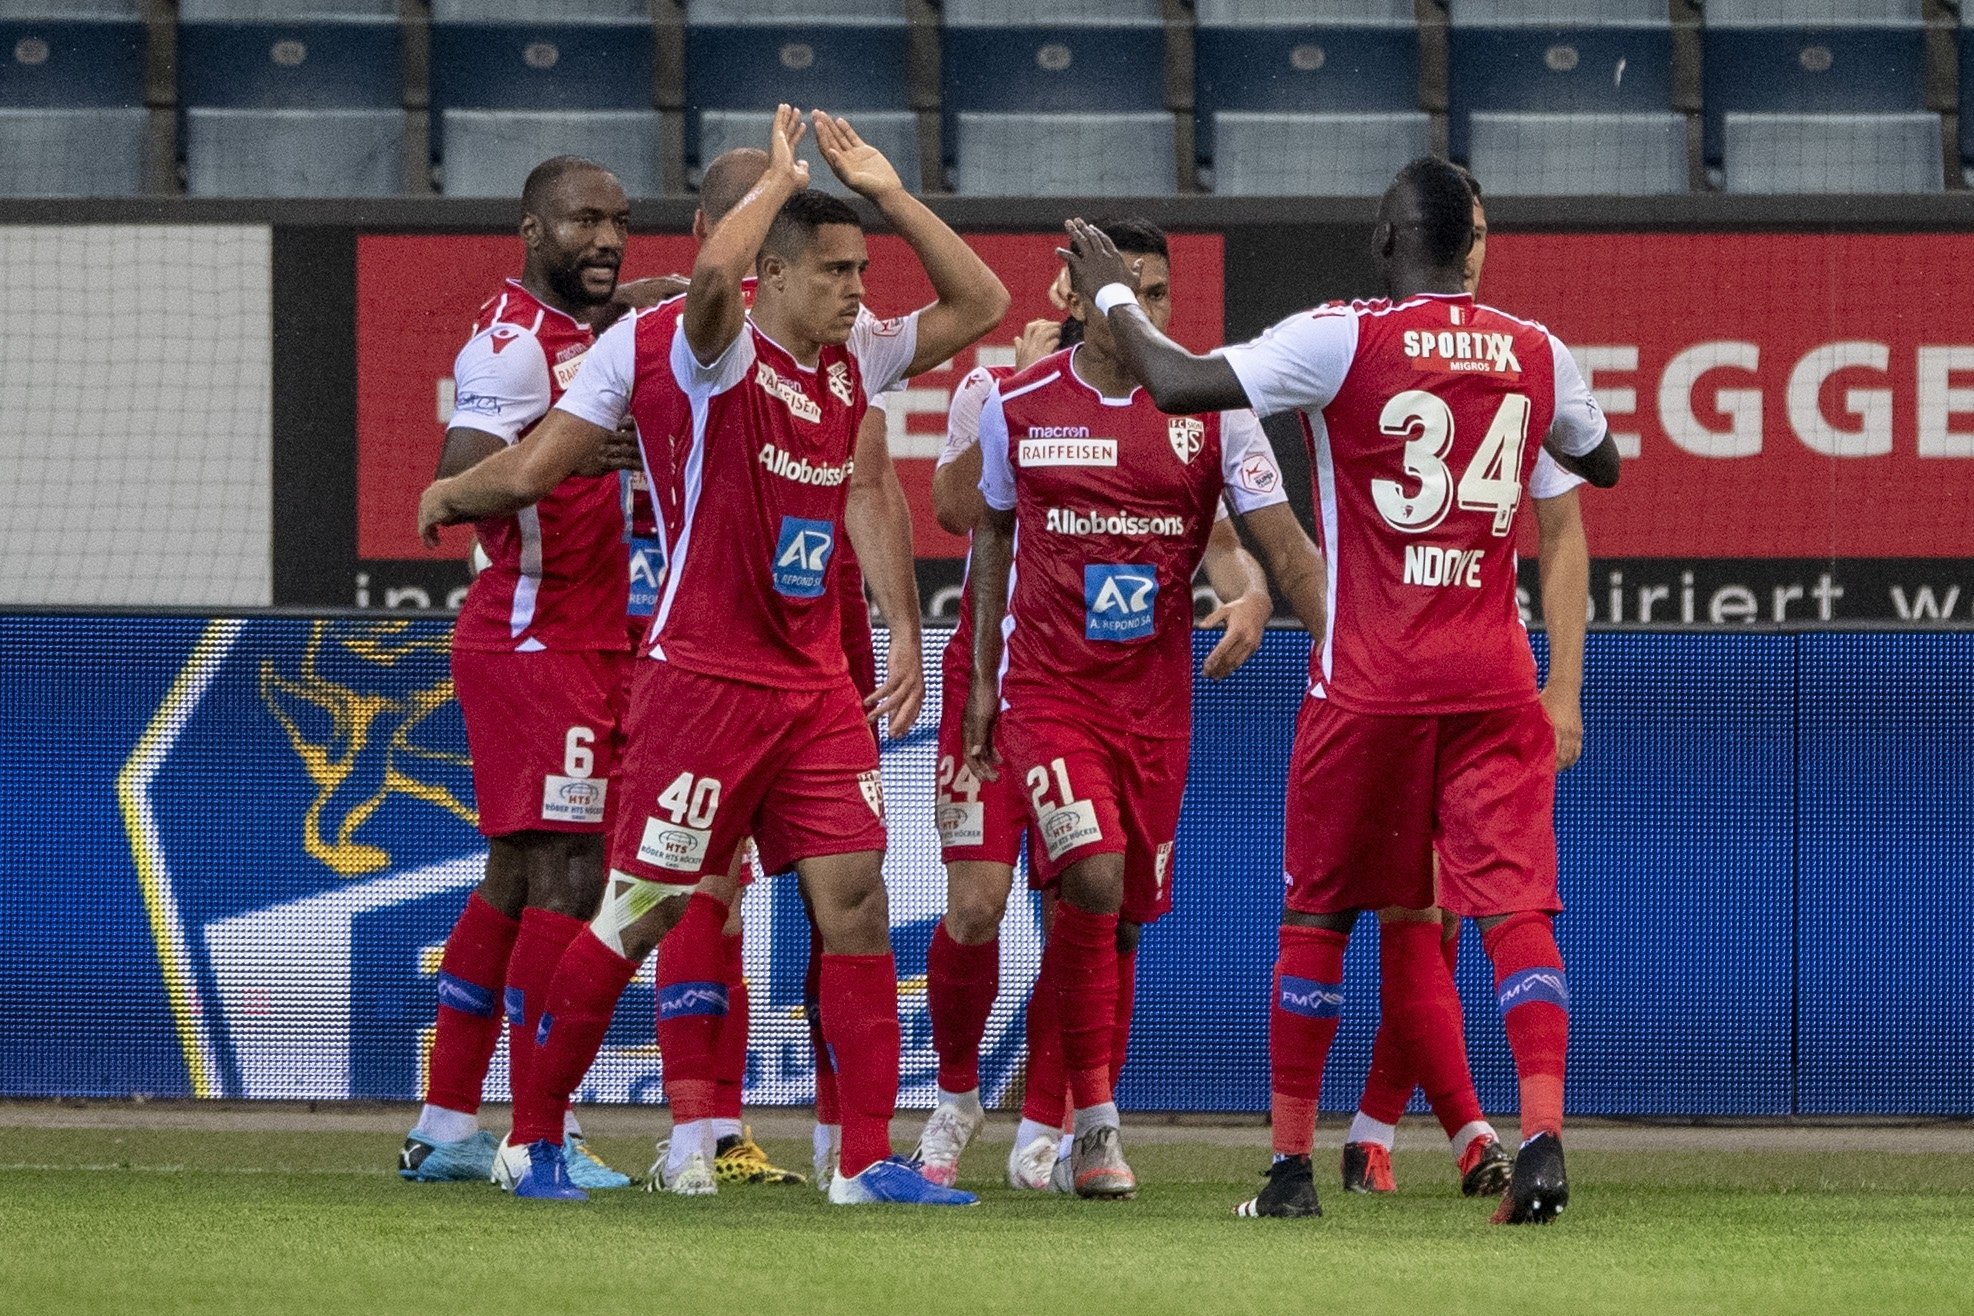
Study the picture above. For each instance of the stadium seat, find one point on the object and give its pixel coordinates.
(894, 132)
(87, 152)
(1836, 57)
(1275, 154)
(351, 62)
(1318, 57)
(795, 11)
(528, 11)
(756, 66)
(1085, 155)
(489, 152)
(1966, 85)
(281, 11)
(1000, 56)
(1561, 57)
(293, 152)
(71, 63)
(596, 65)
(71, 9)
(1841, 153)
(1578, 154)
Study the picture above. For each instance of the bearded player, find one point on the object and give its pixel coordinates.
(1564, 560)
(1422, 728)
(982, 824)
(1088, 704)
(539, 661)
(743, 719)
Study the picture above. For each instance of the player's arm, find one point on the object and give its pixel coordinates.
(508, 481)
(993, 558)
(971, 300)
(1245, 605)
(1578, 437)
(1179, 381)
(1565, 570)
(956, 491)
(715, 304)
(465, 448)
(879, 522)
(1291, 561)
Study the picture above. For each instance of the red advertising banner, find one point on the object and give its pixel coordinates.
(1776, 395)
(411, 323)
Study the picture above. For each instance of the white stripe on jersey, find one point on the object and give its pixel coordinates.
(528, 586)
(1007, 618)
(695, 465)
(1326, 497)
(1043, 382)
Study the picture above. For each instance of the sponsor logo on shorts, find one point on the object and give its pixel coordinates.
(1188, 436)
(802, 554)
(668, 845)
(1071, 825)
(800, 405)
(1530, 986)
(1069, 521)
(871, 785)
(1118, 601)
(1311, 999)
(961, 823)
(1067, 451)
(572, 799)
(565, 370)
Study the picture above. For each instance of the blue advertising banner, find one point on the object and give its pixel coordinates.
(230, 851)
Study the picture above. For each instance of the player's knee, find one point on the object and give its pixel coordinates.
(567, 875)
(974, 909)
(1127, 936)
(635, 915)
(1339, 922)
(505, 885)
(1095, 885)
(1400, 914)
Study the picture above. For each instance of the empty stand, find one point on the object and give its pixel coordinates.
(317, 61)
(293, 152)
(1065, 155)
(79, 152)
(71, 62)
(1578, 154)
(1834, 153)
(489, 152)
(1279, 154)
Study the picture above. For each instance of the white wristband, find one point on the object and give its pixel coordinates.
(1113, 295)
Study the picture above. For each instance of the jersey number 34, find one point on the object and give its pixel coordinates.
(1492, 482)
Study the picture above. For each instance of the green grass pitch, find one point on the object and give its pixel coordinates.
(134, 1220)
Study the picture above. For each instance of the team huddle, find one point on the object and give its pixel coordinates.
(693, 471)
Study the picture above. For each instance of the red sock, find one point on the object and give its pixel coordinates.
(1422, 1013)
(581, 998)
(829, 1110)
(692, 1007)
(1535, 1009)
(1388, 1087)
(1082, 959)
(470, 975)
(961, 983)
(730, 1055)
(1302, 1022)
(1120, 1026)
(860, 1011)
(545, 936)
(1046, 1095)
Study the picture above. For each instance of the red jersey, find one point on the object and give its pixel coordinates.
(1113, 504)
(1424, 418)
(557, 577)
(963, 432)
(763, 448)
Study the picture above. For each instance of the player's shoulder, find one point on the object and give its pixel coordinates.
(1512, 323)
(1019, 383)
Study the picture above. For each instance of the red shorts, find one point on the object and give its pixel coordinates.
(543, 731)
(1091, 794)
(710, 762)
(1371, 797)
(979, 821)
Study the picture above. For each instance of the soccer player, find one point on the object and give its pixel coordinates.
(981, 824)
(1565, 567)
(1089, 701)
(743, 720)
(1422, 728)
(538, 660)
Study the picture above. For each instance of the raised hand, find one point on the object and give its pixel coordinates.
(788, 132)
(983, 711)
(861, 166)
(1037, 339)
(1093, 261)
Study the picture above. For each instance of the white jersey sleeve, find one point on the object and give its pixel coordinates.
(702, 380)
(963, 414)
(1549, 480)
(884, 349)
(499, 382)
(1579, 424)
(1299, 363)
(1247, 464)
(601, 391)
(996, 476)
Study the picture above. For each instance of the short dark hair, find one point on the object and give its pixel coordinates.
(543, 178)
(1443, 208)
(1473, 184)
(1072, 329)
(1138, 236)
(729, 177)
(795, 226)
